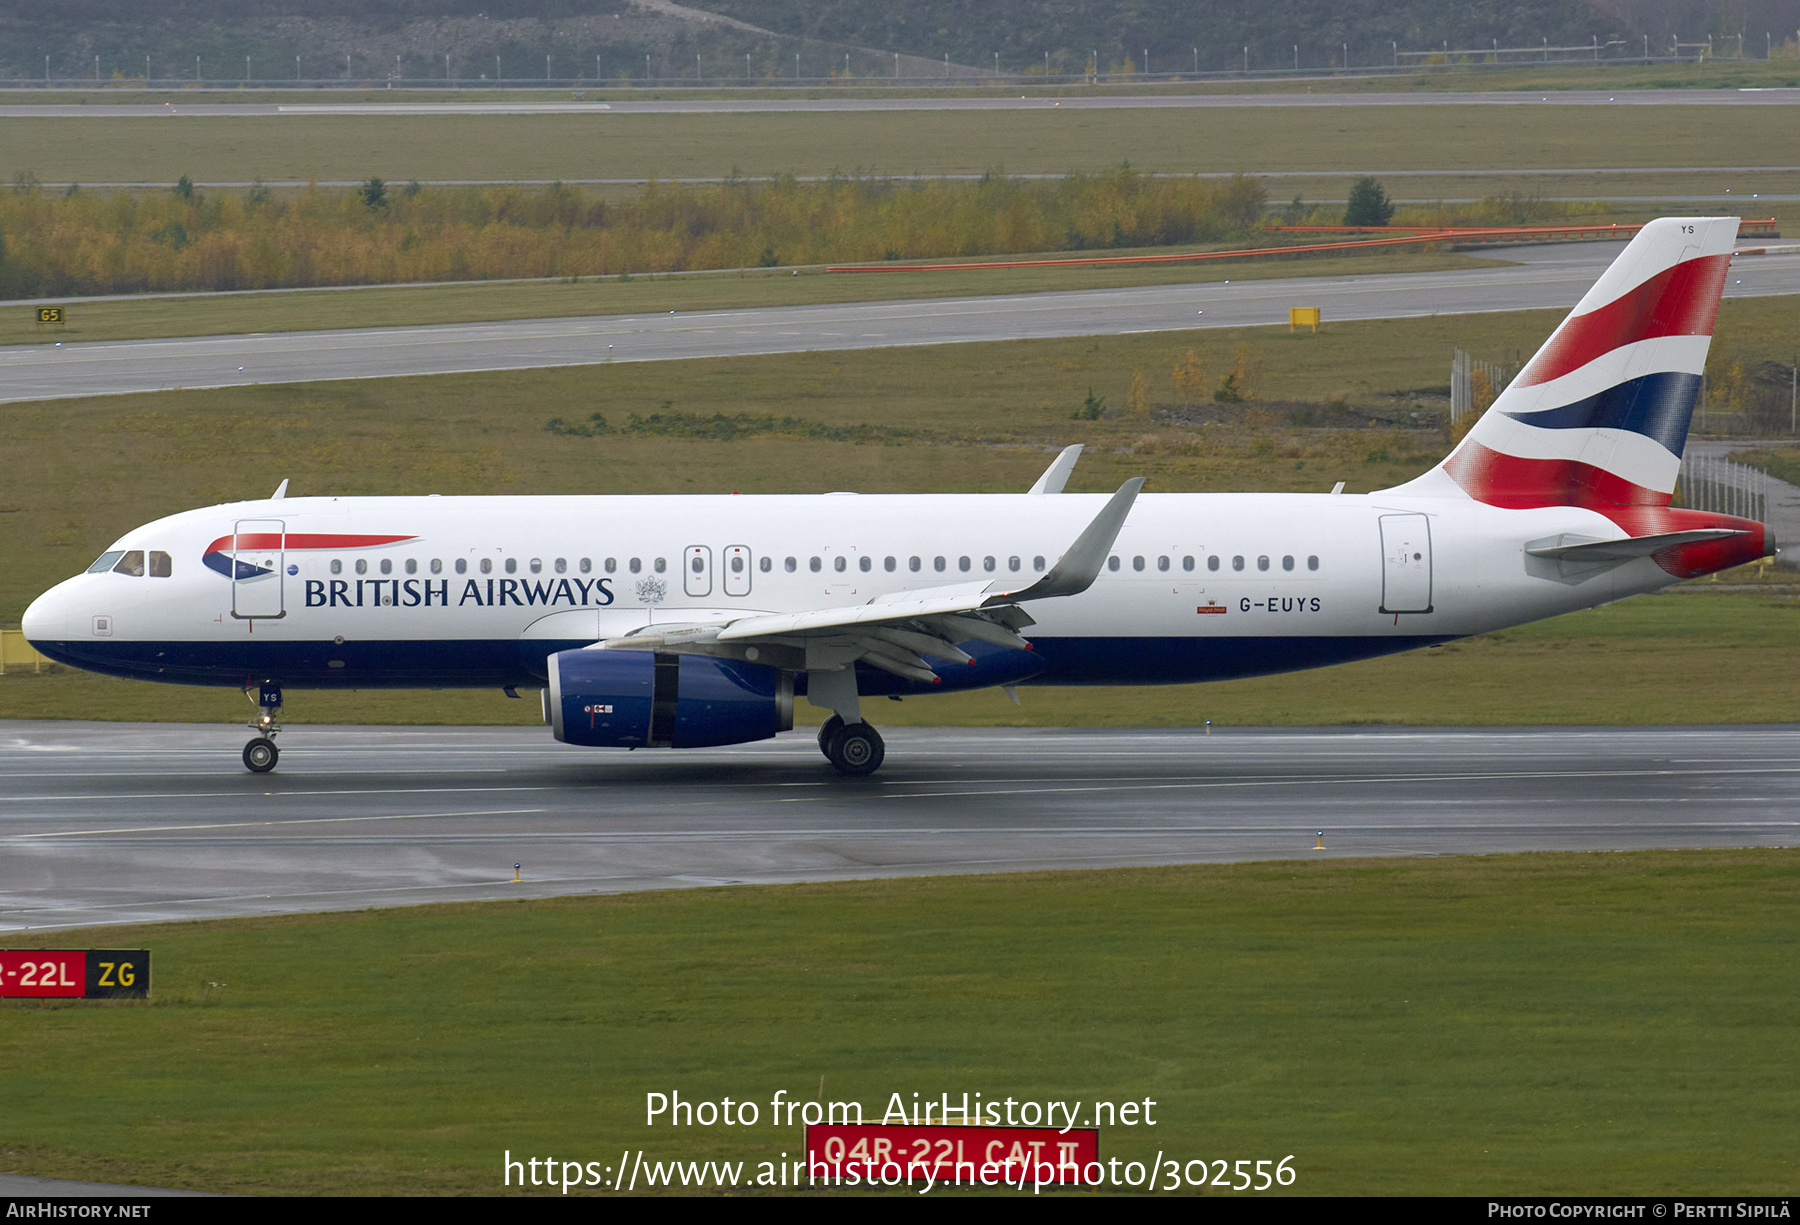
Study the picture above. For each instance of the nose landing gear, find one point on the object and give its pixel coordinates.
(260, 755)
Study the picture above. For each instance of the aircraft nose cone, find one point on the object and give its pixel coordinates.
(46, 619)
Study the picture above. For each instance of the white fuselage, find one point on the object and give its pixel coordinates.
(477, 590)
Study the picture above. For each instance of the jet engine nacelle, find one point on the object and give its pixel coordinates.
(639, 699)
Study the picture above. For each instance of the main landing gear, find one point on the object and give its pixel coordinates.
(260, 755)
(854, 749)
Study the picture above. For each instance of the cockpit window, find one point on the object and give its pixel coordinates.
(105, 561)
(132, 563)
(160, 565)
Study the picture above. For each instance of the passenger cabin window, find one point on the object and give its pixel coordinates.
(1137, 563)
(1312, 563)
(487, 565)
(1037, 563)
(1287, 563)
(814, 564)
(1212, 563)
(437, 565)
(337, 567)
(537, 565)
(962, 563)
(987, 563)
(840, 563)
(612, 565)
(387, 565)
(938, 564)
(362, 565)
(766, 564)
(462, 565)
(914, 563)
(512, 565)
(790, 565)
(737, 563)
(890, 564)
(1237, 563)
(865, 564)
(412, 567)
(1162, 563)
(1112, 563)
(661, 565)
(587, 565)
(1187, 563)
(1262, 563)
(636, 566)
(1012, 563)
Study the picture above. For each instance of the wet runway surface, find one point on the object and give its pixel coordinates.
(121, 823)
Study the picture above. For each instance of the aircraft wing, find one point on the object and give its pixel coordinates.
(896, 632)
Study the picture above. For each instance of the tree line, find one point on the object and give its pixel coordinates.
(85, 242)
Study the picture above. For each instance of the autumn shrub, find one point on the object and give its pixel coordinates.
(190, 239)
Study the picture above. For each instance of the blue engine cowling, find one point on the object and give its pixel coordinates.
(639, 699)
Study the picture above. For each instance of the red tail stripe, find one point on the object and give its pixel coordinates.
(1526, 484)
(1702, 556)
(1682, 301)
(301, 540)
(1519, 484)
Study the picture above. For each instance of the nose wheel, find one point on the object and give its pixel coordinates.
(260, 755)
(853, 749)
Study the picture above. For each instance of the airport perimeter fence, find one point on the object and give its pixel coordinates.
(861, 67)
(1474, 384)
(1714, 483)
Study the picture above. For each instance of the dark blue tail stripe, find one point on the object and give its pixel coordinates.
(1657, 406)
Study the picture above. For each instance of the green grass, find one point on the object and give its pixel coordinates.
(385, 306)
(1782, 463)
(156, 150)
(1534, 1024)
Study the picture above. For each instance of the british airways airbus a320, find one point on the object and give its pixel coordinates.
(681, 622)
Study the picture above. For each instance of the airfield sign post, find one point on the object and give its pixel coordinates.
(81, 974)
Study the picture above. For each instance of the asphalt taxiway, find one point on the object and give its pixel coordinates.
(1551, 278)
(123, 823)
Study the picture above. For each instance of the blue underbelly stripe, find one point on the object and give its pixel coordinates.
(491, 664)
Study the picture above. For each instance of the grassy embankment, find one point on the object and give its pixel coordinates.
(1348, 138)
(1535, 1024)
(960, 418)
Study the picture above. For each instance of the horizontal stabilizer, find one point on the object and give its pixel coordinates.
(1567, 547)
